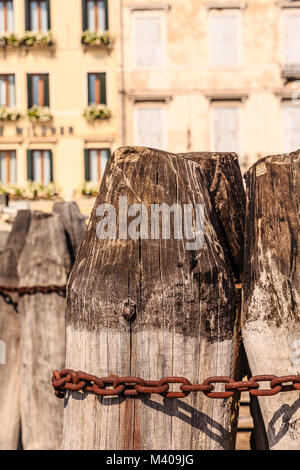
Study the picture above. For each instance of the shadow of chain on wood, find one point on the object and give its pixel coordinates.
(8, 300)
(172, 407)
(285, 412)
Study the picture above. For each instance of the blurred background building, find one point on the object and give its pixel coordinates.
(79, 78)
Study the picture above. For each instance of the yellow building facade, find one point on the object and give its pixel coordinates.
(58, 75)
(183, 75)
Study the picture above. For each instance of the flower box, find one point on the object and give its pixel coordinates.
(31, 191)
(90, 189)
(34, 39)
(7, 114)
(9, 40)
(39, 114)
(96, 112)
(91, 39)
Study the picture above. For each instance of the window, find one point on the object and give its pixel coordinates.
(226, 129)
(96, 88)
(224, 40)
(39, 166)
(8, 166)
(291, 118)
(148, 40)
(7, 90)
(95, 163)
(150, 127)
(292, 39)
(38, 89)
(37, 15)
(94, 15)
(6, 16)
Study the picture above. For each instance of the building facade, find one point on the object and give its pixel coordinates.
(182, 75)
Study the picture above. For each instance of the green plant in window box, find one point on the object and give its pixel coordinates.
(9, 39)
(96, 111)
(90, 39)
(90, 189)
(32, 38)
(7, 114)
(32, 190)
(39, 114)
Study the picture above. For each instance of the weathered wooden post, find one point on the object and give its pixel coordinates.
(151, 308)
(46, 260)
(73, 222)
(223, 177)
(10, 412)
(271, 291)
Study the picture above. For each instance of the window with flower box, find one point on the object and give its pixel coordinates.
(7, 90)
(8, 166)
(37, 15)
(39, 166)
(97, 88)
(94, 15)
(38, 90)
(6, 16)
(95, 161)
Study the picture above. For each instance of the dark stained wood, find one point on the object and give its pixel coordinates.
(222, 173)
(44, 261)
(271, 288)
(10, 413)
(186, 319)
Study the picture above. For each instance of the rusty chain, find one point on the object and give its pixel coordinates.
(32, 290)
(68, 379)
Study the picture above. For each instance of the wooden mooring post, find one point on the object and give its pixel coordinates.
(271, 294)
(40, 252)
(10, 384)
(222, 174)
(185, 322)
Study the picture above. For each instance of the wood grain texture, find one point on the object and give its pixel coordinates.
(73, 222)
(271, 292)
(186, 317)
(10, 412)
(222, 174)
(44, 260)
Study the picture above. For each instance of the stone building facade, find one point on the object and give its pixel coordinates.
(182, 75)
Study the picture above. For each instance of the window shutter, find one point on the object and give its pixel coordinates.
(27, 25)
(51, 165)
(106, 13)
(291, 128)
(29, 91)
(29, 165)
(150, 127)
(84, 22)
(226, 129)
(224, 40)
(86, 165)
(103, 88)
(148, 40)
(46, 90)
(48, 14)
(292, 39)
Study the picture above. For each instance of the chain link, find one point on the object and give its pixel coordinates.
(68, 379)
(33, 290)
